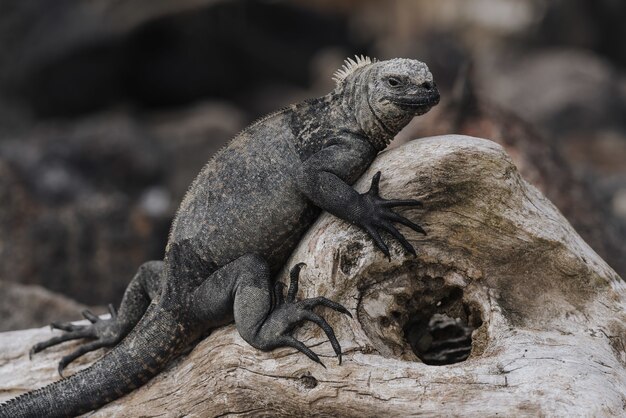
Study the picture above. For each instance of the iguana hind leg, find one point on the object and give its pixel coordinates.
(144, 287)
(264, 318)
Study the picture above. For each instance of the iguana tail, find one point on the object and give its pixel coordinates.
(154, 341)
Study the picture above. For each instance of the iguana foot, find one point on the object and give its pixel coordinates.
(289, 313)
(104, 332)
(377, 215)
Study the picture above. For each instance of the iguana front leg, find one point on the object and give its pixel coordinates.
(323, 180)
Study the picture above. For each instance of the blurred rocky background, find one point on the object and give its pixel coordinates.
(108, 109)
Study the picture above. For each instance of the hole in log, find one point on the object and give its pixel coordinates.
(422, 313)
(440, 339)
(441, 332)
(308, 381)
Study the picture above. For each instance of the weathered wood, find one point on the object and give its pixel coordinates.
(550, 314)
(540, 161)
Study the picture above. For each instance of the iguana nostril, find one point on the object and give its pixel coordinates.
(427, 85)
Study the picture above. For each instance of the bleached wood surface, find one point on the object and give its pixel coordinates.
(552, 342)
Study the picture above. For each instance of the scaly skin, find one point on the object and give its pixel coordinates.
(240, 220)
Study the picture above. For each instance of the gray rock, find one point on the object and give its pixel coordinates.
(33, 306)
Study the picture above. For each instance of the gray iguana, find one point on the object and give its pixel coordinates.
(239, 222)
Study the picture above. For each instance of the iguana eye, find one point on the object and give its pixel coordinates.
(393, 82)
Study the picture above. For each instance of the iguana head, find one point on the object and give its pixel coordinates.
(386, 95)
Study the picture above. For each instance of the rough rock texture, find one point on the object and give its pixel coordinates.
(548, 313)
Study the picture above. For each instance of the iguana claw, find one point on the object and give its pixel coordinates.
(377, 215)
(103, 332)
(289, 313)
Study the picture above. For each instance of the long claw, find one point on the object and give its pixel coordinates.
(379, 241)
(73, 335)
(401, 202)
(330, 333)
(294, 275)
(321, 300)
(374, 187)
(66, 326)
(304, 312)
(394, 217)
(397, 235)
(298, 345)
(90, 316)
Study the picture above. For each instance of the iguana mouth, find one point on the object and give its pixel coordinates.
(415, 103)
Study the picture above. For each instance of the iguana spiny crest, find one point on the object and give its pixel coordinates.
(385, 95)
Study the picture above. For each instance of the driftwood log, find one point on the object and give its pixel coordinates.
(501, 277)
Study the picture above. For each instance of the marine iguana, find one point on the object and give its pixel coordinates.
(240, 220)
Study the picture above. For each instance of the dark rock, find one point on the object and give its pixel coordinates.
(586, 24)
(84, 204)
(563, 92)
(85, 56)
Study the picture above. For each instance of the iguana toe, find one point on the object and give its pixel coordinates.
(377, 215)
(290, 313)
(104, 333)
